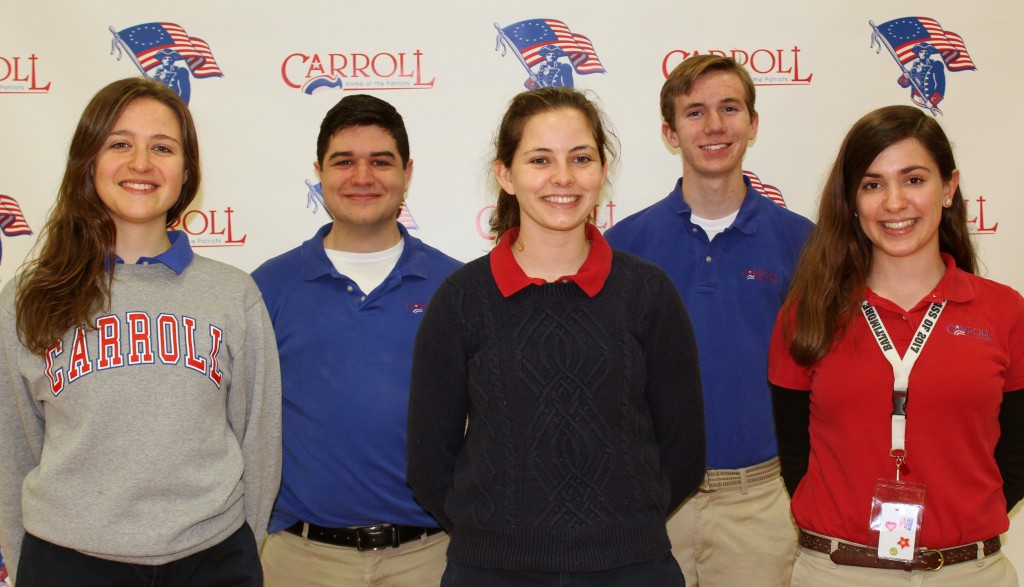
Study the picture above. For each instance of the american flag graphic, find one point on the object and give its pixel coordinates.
(769, 191)
(12, 221)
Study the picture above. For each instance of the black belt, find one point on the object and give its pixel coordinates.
(363, 537)
(926, 559)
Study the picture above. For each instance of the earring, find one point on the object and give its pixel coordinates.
(947, 203)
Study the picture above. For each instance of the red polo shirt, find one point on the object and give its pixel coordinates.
(974, 354)
(590, 278)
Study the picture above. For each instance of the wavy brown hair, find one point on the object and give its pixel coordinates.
(830, 278)
(69, 279)
(524, 106)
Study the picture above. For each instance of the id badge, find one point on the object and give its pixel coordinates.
(897, 509)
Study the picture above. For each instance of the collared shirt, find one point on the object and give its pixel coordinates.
(346, 358)
(177, 257)
(733, 287)
(974, 355)
(591, 276)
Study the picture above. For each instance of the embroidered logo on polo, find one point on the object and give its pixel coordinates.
(968, 331)
(103, 348)
(760, 275)
(416, 307)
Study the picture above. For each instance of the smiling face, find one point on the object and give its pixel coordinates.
(556, 173)
(364, 185)
(712, 127)
(140, 167)
(900, 201)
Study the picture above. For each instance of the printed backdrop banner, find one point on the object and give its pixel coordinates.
(259, 77)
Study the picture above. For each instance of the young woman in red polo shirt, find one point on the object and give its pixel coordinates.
(898, 374)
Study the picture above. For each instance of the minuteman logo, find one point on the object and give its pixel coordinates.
(548, 51)
(923, 50)
(165, 52)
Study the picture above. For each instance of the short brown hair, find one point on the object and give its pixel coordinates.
(684, 75)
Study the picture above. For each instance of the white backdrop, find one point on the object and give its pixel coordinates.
(441, 66)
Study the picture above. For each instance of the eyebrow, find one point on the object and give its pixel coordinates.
(729, 100)
(128, 133)
(374, 154)
(903, 171)
(572, 150)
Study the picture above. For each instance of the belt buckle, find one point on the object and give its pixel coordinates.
(942, 559)
(706, 486)
(368, 529)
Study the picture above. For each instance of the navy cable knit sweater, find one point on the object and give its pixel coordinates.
(585, 418)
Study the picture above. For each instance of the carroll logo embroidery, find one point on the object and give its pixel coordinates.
(760, 275)
(913, 41)
(156, 48)
(970, 331)
(549, 52)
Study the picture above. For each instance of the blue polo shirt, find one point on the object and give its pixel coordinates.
(346, 357)
(733, 287)
(177, 258)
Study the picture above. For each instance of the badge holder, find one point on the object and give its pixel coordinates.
(897, 509)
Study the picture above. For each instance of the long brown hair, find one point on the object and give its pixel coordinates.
(829, 281)
(523, 107)
(70, 278)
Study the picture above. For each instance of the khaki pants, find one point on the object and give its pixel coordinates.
(291, 561)
(815, 569)
(729, 538)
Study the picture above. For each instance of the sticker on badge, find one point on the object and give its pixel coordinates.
(897, 509)
(897, 536)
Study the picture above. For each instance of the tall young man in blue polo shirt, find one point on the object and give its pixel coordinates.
(346, 305)
(731, 253)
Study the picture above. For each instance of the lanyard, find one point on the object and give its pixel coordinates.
(901, 368)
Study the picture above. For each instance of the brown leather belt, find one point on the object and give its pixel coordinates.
(926, 559)
(363, 537)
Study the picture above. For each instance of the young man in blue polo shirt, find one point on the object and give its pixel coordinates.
(731, 253)
(346, 305)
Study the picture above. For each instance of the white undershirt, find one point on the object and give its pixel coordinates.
(368, 270)
(714, 227)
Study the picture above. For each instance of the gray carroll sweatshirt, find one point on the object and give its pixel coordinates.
(151, 437)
